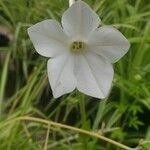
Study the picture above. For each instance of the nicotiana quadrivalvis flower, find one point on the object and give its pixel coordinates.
(81, 52)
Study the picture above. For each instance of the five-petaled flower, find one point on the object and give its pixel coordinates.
(81, 52)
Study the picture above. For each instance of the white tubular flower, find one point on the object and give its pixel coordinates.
(81, 52)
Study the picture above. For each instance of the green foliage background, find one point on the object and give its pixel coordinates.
(24, 89)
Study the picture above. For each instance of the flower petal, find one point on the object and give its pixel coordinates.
(109, 42)
(48, 38)
(94, 75)
(60, 74)
(79, 20)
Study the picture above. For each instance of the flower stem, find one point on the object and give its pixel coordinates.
(71, 2)
(39, 120)
(83, 118)
(82, 109)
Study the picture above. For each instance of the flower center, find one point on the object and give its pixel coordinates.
(77, 47)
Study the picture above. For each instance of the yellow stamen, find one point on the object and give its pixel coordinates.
(77, 47)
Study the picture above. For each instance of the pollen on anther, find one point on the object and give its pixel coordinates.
(77, 46)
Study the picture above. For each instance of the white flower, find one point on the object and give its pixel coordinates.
(81, 52)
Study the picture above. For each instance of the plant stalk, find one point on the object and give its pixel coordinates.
(71, 2)
(82, 109)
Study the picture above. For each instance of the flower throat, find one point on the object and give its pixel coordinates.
(77, 47)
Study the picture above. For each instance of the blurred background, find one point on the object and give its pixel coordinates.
(24, 89)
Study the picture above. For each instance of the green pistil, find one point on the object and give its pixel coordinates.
(77, 47)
